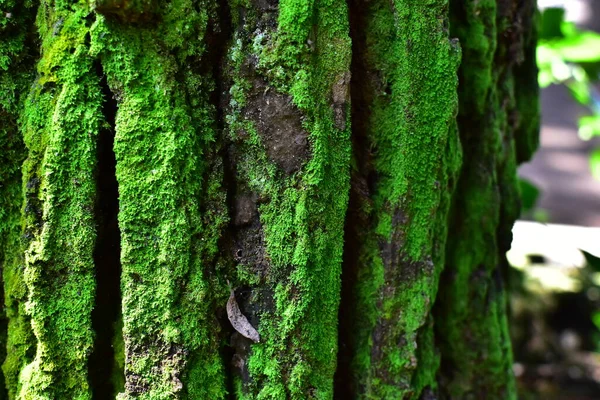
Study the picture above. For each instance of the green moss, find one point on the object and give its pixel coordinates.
(118, 344)
(474, 23)
(126, 10)
(170, 201)
(410, 66)
(471, 311)
(61, 118)
(301, 212)
(527, 93)
(172, 204)
(425, 377)
(17, 57)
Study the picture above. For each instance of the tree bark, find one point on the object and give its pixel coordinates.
(339, 175)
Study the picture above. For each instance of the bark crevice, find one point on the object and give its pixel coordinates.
(218, 41)
(362, 181)
(107, 309)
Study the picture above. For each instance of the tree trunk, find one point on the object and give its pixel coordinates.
(261, 199)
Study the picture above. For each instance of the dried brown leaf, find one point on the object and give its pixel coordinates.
(239, 321)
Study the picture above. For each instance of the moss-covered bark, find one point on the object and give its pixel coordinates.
(171, 206)
(242, 131)
(61, 118)
(400, 224)
(498, 123)
(287, 116)
(18, 50)
(407, 154)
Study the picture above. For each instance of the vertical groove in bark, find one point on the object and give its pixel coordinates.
(61, 120)
(172, 206)
(471, 310)
(357, 221)
(287, 118)
(218, 41)
(18, 53)
(406, 150)
(106, 382)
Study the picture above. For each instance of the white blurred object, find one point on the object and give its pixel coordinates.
(578, 11)
(560, 244)
(558, 252)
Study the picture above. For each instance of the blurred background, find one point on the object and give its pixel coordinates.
(555, 279)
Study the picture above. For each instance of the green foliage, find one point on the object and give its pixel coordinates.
(569, 56)
(590, 279)
(592, 261)
(595, 163)
(529, 194)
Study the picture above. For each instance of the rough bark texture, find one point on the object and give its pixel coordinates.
(171, 207)
(60, 122)
(286, 105)
(407, 155)
(498, 126)
(340, 174)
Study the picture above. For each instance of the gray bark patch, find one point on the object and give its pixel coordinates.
(245, 210)
(279, 124)
(170, 361)
(239, 360)
(398, 266)
(341, 98)
(248, 246)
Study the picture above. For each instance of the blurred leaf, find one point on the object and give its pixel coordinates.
(529, 194)
(541, 215)
(545, 77)
(580, 91)
(561, 70)
(582, 47)
(546, 54)
(592, 70)
(595, 164)
(568, 28)
(551, 23)
(579, 74)
(592, 261)
(589, 126)
(546, 58)
(596, 319)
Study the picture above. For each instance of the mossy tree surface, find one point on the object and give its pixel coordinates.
(18, 52)
(407, 155)
(499, 48)
(287, 123)
(346, 169)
